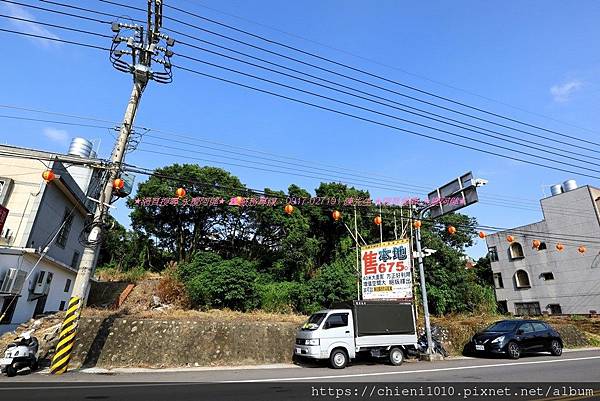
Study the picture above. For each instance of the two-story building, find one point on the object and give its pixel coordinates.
(40, 214)
(552, 265)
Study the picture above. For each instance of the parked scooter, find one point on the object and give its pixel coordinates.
(438, 348)
(22, 353)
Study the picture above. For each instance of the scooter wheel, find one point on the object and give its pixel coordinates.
(11, 371)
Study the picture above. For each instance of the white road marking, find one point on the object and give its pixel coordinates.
(410, 371)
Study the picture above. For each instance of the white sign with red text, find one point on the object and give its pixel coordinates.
(387, 271)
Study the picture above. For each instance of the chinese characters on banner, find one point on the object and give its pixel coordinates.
(386, 271)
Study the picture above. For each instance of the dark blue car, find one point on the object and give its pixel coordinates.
(514, 337)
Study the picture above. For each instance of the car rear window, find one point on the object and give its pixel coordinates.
(504, 326)
(538, 326)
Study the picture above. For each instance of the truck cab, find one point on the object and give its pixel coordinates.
(381, 329)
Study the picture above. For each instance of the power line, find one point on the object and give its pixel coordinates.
(404, 110)
(411, 188)
(393, 67)
(270, 41)
(333, 72)
(378, 122)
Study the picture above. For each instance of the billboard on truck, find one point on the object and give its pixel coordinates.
(387, 271)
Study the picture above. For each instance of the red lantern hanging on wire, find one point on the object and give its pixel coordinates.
(482, 235)
(118, 184)
(48, 175)
(510, 238)
(289, 209)
(336, 215)
(560, 247)
(451, 230)
(581, 249)
(417, 224)
(239, 200)
(180, 192)
(377, 220)
(536, 243)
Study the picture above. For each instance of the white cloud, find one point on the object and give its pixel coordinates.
(19, 12)
(562, 93)
(56, 135)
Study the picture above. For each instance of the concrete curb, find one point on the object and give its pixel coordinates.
(184, 369)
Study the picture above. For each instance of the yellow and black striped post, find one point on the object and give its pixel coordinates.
(68, 330)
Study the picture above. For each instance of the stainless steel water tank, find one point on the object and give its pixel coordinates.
(569, 185)
(556, 189)
(80, 147)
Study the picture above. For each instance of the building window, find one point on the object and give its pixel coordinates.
(498, 280)
(555, 309)
(67, 285)
(493, 253)
(75, 260)
(8, 309)
(62, 305)
(63, 234)
(547, 276)
(502, 307)
(527, 309)
(542, 246)
(522, 279)
(516, 251)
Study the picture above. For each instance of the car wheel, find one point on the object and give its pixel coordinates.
(396, 356)
(338, 359)
(513, 349)
(11, 371)
(556, 348)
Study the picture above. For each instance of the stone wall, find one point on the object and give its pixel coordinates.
(124, 342)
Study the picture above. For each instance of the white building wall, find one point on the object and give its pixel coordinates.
(25, 308)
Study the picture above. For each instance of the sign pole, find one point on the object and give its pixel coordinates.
(423, 289)
(358, 272)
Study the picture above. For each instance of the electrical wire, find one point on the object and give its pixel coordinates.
(337, 73)
(391, 116)
(270, 41)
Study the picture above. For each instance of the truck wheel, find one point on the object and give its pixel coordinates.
(11, 371)
(338, 359)
(396, 356)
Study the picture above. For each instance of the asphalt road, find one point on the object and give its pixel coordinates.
(297, 382)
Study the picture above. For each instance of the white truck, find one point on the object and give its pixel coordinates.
(384, 329)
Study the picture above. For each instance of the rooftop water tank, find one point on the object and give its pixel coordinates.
(569, 185)
(81, 147)
(556, 189)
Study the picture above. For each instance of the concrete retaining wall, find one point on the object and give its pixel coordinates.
(120, 341)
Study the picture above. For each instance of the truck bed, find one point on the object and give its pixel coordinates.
(385, 340)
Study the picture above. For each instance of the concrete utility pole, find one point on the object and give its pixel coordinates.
(144, 49)
(146, 45)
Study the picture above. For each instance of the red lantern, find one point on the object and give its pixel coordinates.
(118, 184)
(288, 209)
(482, 234)
(180, 192)
(536, 243)
(377, 220)
(559, 247)
(48, 175)
(336, 215)
(510, 238)
(451, 229)
(417, 224)
(239, 200)
(581, 249)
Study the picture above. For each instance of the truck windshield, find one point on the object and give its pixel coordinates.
(314, 321)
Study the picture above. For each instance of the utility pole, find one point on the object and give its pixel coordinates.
(146, 45)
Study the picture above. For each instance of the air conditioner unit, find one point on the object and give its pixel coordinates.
(42, 284)
(13, 281)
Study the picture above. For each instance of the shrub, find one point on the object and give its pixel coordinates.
(280, 297)
(225, 284)
(110, 273)
(194, 266)
(171, 290)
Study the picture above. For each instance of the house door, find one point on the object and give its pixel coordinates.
(40, 305)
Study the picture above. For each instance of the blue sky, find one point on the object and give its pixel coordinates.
(538, 56)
